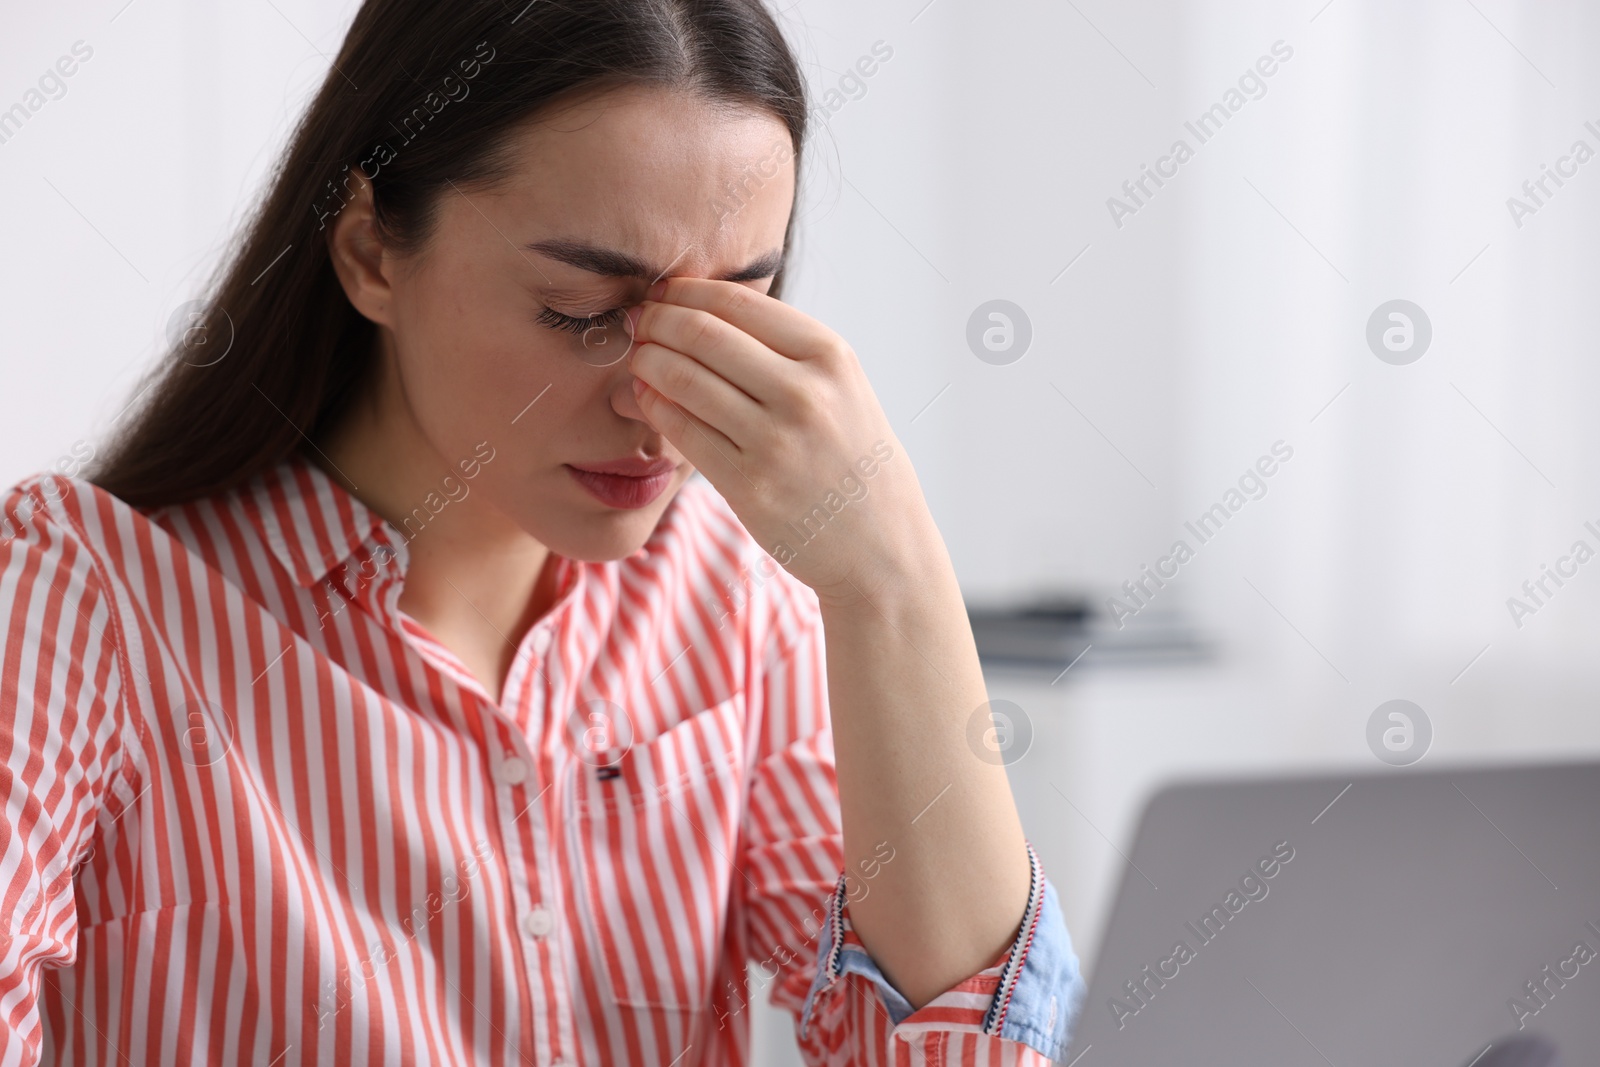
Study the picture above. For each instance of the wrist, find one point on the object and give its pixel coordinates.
(915, 571)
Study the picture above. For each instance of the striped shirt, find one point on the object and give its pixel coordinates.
(254, 812)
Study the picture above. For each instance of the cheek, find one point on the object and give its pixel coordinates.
(471, 363)
(477, 368)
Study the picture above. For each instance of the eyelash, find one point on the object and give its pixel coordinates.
(571, 324)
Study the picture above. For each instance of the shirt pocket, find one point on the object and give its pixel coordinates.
(652, 840)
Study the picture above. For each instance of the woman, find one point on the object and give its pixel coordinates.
(391, 691)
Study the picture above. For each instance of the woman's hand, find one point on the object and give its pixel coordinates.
(774, 409)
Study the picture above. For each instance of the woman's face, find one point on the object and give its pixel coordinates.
(508, 331)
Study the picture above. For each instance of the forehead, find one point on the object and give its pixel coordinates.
(666, 176)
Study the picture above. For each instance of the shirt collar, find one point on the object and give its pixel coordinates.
(311, 523)
(314, 525)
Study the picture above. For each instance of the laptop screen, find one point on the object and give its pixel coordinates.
(1402, 918)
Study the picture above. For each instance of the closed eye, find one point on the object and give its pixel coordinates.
(555, 320)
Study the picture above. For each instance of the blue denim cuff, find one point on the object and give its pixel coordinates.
(1048, 994)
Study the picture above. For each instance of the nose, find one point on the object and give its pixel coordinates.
(623, 401)
(611, 354)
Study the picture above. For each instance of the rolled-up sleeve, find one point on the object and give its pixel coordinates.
(1020, 1008)
(794, 903)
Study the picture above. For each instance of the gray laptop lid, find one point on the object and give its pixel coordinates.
(1389, 920)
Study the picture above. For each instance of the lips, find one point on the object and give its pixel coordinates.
(625, 483)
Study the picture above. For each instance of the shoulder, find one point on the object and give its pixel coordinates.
(61, 613)
(71, 553)
(55, 515)
(68, 547)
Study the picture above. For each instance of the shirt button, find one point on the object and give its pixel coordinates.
(513, 770)
(541, 641)
(539, 922)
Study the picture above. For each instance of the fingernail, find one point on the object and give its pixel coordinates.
(633, 319)
(656, 291)
(638, 386)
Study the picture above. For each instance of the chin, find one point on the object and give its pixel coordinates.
(612, 535)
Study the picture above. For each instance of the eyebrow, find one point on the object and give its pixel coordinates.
(610, 263)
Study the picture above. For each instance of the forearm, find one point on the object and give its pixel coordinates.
(903, 684)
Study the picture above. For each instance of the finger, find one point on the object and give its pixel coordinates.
(784, 329)
(698, 389)
(721, 347)
(703, 446)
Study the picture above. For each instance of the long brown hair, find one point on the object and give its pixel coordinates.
(422, 93)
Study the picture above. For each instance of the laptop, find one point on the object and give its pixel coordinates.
(1448, 918)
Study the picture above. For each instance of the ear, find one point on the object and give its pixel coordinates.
(364, 270)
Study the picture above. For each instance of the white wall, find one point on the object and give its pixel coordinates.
(120, 195)
(1426, 494)
(975, 168)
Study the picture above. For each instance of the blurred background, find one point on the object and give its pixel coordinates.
(1082, 359)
